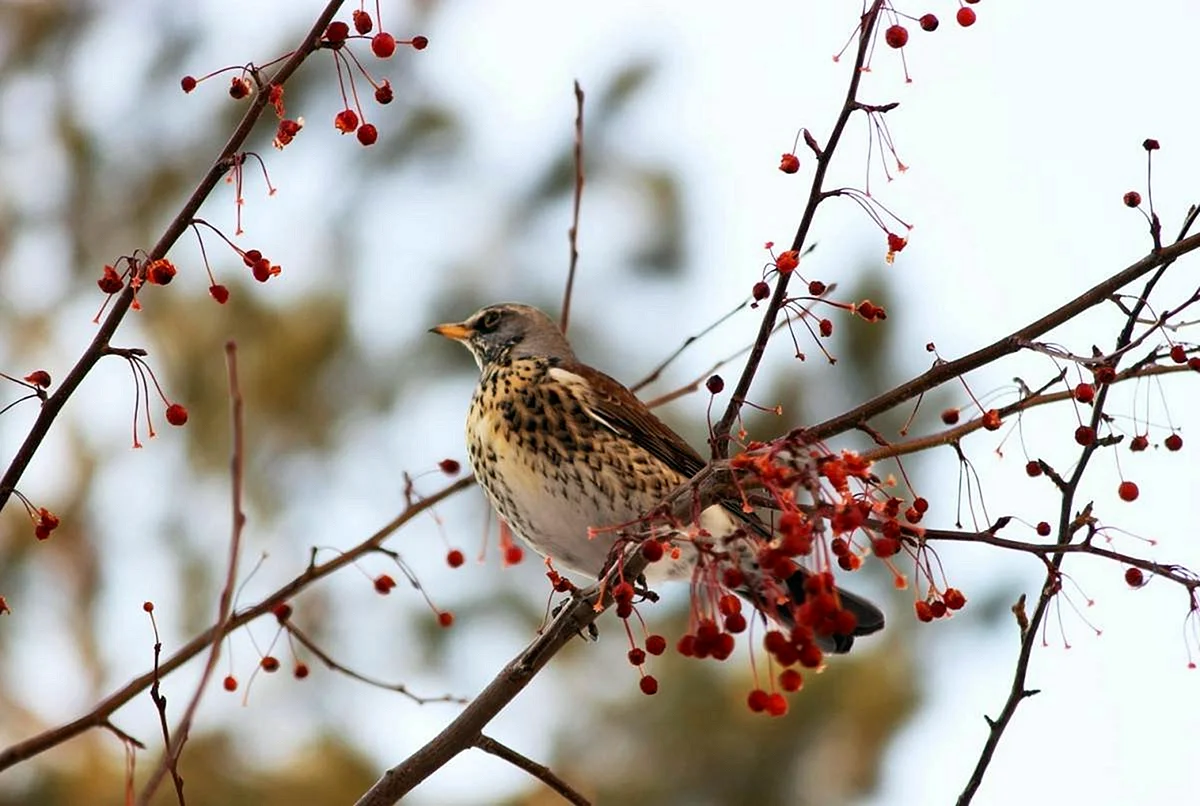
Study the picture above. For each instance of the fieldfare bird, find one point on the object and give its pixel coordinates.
(567, 456)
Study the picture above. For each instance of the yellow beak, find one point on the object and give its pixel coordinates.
(453, 330)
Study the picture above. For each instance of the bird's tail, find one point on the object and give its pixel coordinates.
(867, 617)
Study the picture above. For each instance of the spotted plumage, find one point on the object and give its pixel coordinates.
(567, 455)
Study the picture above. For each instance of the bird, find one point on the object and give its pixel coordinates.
(568, 456)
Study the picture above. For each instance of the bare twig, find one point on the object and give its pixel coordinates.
(170, 760)
(325, 658)
(688, 342)
(539, 771)
(573, 235)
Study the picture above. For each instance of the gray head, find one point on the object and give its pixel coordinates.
(508, 330)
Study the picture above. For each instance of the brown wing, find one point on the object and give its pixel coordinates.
(619, 409)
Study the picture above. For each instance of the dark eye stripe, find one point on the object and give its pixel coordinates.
(489, 322)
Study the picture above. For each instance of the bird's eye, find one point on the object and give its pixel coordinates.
(489, 322)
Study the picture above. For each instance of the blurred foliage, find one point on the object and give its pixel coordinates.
(113, 177)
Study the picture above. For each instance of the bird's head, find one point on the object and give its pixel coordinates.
(508, 330)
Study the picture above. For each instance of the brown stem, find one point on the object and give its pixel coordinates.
(539, 771)
(719, 441)
(170, 759)
(573, 235)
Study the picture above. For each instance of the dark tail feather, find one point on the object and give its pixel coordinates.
(870, 617)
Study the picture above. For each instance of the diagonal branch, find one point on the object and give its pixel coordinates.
(539, 771)
(719, 439)
(54, 404)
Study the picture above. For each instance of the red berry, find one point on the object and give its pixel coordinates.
(282, 612)
(160, 272)
(950, 416)
(757, 700)
(735, 623)
(39, 377)
(789, 163)
(367, 134)
(419, 42)
(239, 88)
(1173, 442)
(920, 505)
(1139, 443)
(1033, 469)
(346, 121)
(1134, 577)
(188, 83)
(1085, 435)
(652, 550)
(383, 45)
(449, 466)
(954, 599)
(761, 291)
(454, 558)
(383, 93)
(776, 704)
(648, 685)
(787, 261)
(229, 683)
(148, 607)
(790, 680)
(1150, 144)
(1128, 491)
(896, 36)
(446, 618)
(1043, 529)
(938, 608)
(177, 414)
(637, 656)
(1085, 393)
(1133, 199)
(337, 32)
(362, 21)
(513, 555)
(929, 22)
(269, 664)
(1179, 354)
(811, 656)
(219, 292)
(965, 17)
(656, 644)
(384, 584)
(300, 671)
(991, 420)
(924, 611)
(715, 384)
(1194, 363)
(826, 328)
(111, 282)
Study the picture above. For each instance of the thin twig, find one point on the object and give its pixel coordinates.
(325, 658)
(688, 342)
(539, 771)
(573, 235)
(170, 760)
